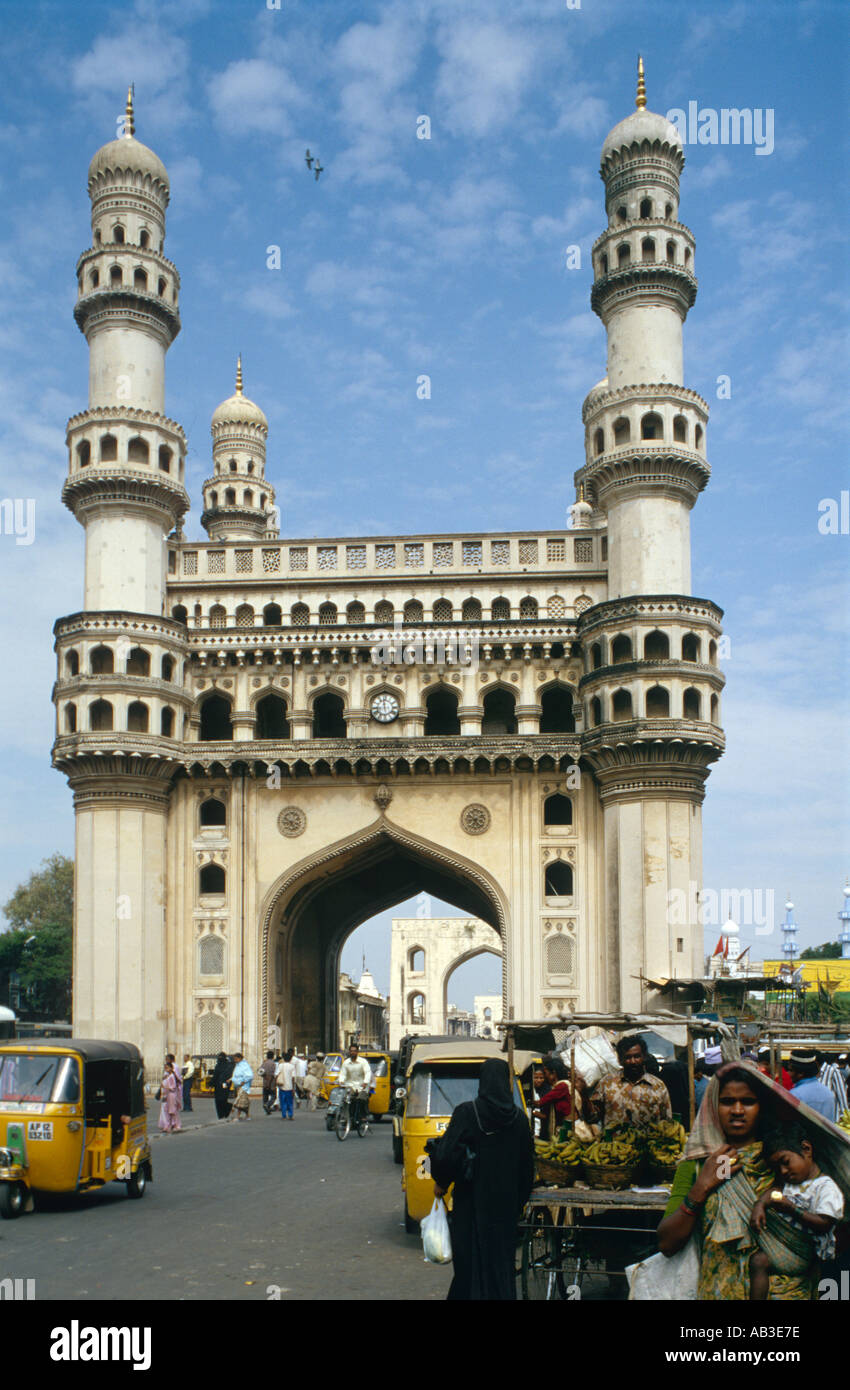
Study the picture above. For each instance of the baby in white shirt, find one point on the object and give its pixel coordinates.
(808, 1198)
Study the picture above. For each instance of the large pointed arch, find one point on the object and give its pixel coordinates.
(315, 905)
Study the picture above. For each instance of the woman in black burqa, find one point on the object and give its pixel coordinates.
(488, 1153)
(222, 1073)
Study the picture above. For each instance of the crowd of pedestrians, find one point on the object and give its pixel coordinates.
(287, 1081)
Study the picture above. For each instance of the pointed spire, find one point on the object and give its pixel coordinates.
(239, 375)
(640, 100)
(129, 123)
(581, 496)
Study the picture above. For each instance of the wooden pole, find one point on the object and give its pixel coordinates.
(691, 1095)
(573, 1078)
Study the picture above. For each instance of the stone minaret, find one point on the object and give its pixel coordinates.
(238, 501)
(119, 694)
(652, 684)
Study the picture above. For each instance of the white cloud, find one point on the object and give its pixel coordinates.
(254, 94)
(483, 74)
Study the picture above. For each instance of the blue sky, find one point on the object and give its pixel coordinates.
(447, 257)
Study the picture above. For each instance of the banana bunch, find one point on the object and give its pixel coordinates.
(844, 1121)
(622, 1149)
(665, 1141)
(569, 1153)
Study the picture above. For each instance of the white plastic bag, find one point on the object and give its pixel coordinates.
(595, 1057)
(436, 1240)
(666, 1278)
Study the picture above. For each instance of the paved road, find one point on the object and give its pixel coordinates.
(235, 1208)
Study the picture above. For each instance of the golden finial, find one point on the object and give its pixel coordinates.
(581, 492)
(640, 100)
(239, 375)
(129, 123)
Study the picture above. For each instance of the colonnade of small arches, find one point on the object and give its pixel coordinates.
(656, 703)
(385, 613)
(610, 651)
(137, 450)
(139, 716)
(651, 427)
(497, 709)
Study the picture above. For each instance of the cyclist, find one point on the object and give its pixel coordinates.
(356, 1074)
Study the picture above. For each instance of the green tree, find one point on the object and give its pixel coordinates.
(830, 950)
(38, 947)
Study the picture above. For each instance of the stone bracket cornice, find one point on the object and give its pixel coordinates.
(645, 464)
(632, 224)
(117, 414)
(641, 278)
(595, 401)
(115, 621)
(101, 484)
(649, 606)
(671, 666)
(127, 307)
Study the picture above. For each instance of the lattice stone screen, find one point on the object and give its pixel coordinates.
(355, 557)
(190, 562)
(210, 1035)
(326, 557)
(560, 955)
(556, 550)
(442, 611)
(215, 562)
(244, 561)
(414, 557)
(444, 553)
(211, 956)
(583, 551)
(557, 607)
(473, 553)
(298, 557)
(385, 557)
(500, 552)
(271, 561)
(528, 552)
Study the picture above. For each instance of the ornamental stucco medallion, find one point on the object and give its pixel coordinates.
(292, 821)
(475, 818)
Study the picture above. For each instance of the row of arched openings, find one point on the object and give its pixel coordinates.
(329, 614)
(656, 705)
(101, 716)
(498, 715)
(656, 647)
(102, 663)
(138, 451)
(651, 427)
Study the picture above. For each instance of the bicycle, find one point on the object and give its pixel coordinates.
(352, 1113)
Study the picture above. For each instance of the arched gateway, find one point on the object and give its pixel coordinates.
(314, 906)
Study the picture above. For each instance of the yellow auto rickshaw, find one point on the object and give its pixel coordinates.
(380, 1100)
(333, 1062)
(72, 1118)
(439, 1077)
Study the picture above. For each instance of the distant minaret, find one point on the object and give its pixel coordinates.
(789, 933)
(844, 918)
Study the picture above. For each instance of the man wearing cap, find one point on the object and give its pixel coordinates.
(804, 1067)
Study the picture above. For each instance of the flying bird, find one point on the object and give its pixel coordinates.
(319, 170)
(308, 159)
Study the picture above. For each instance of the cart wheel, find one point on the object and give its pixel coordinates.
(411, 1226)
(138, 1182)
(12, 1200)
(540, 1273)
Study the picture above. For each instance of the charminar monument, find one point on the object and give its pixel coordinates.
(270, 739)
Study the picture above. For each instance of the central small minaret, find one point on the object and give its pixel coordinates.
(238, 501)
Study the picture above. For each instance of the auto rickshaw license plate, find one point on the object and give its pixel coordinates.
(40, 1129)
(442, 1126)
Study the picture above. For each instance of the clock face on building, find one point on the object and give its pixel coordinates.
(385, 708)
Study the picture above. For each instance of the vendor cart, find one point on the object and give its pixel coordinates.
(573, 1237)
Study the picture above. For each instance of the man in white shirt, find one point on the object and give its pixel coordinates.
(356, 1073)
(285, 1079)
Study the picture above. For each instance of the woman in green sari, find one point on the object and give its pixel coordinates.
(713, 1201)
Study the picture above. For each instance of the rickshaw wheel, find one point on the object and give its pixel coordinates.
(137, 1183)
(411, 1226)
(540, 1276)
(11, 1200)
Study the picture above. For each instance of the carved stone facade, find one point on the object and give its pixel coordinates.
(424, 953)
(270, 740)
